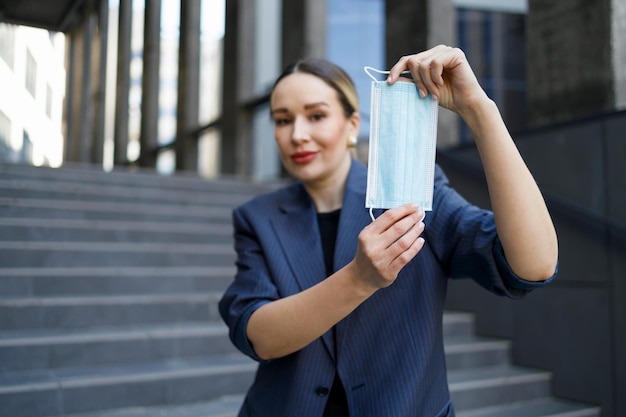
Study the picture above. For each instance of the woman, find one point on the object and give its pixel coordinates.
(345, 314)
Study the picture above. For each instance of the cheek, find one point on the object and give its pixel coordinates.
(336, 139)
(281, 139)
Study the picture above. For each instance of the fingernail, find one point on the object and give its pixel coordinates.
(423, 93)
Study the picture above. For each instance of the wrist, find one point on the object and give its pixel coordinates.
(359, 287)
(478, 108)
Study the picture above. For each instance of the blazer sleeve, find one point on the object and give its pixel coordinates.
(251, 288)
(464, 239)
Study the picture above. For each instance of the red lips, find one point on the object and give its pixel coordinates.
(303, 157)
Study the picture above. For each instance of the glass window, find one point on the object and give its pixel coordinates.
(5, 128)
(31, 74)
(27, 148)
(356, 38)
(494, 43)
(5, 136)
(49, 101)
(7, 43)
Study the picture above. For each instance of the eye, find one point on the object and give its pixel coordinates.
(317, 116)
(281, 121)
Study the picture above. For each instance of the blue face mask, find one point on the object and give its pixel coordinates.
(402, 145)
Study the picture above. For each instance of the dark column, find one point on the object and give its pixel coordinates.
(79, 107)
(406, 25)
(413, 26)
(230, 110)
(85, 120)
(238, 93)
(71, 135)
(304, 29)
(150, 83)
(246, 94)
(188, 86)
(100, 83)
(294, 39)
(619, 55)
(570, 65)
(123, 82)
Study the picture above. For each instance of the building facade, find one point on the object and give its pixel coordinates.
(32, 82)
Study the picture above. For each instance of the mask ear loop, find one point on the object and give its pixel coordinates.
(372, 213)
(369, 70)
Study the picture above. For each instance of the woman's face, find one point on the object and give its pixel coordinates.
(311, 128)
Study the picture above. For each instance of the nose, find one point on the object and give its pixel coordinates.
(300, 132)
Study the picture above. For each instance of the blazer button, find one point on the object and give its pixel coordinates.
(322, 391)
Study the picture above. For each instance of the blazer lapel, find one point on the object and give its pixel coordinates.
(297, 231)
(354, 217)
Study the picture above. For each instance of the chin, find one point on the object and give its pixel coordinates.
(304, 173)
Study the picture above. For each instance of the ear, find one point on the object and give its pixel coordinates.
(355, 122)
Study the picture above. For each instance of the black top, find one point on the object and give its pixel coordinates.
(337, 404)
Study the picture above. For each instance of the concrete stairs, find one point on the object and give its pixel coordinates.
(108, 292)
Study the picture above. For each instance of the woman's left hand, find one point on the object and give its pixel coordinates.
(445, 73)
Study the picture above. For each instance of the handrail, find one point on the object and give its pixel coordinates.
(591, 118)
(589, 219)
(195, 134)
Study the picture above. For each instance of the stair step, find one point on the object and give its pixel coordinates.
(227, 406)
(472, 352)
(96, 311)
(83, 191)
(67, 391)
(61, 281)
(456, 323)
(61, 253)
(108, 210)
(543, 407)
(132, 177)
(481, 387)
(81, 230)
(56, 349)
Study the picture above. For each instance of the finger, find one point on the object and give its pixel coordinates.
(406, 247)
(413, 63)
(397, 69)
(424, 81)
(430, 71)
(406, 256)
(391, 216)
(403, 62)
(385, 220)
(404, 242)
(399, 229)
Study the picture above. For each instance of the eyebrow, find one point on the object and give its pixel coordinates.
(306, 107)
(317, 104)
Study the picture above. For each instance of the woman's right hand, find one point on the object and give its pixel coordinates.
(387, 245)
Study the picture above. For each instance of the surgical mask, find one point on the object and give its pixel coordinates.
(402, 145)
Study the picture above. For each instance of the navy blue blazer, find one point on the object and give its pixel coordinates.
(389, 351)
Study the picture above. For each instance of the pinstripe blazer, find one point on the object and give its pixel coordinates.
(389, 351)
